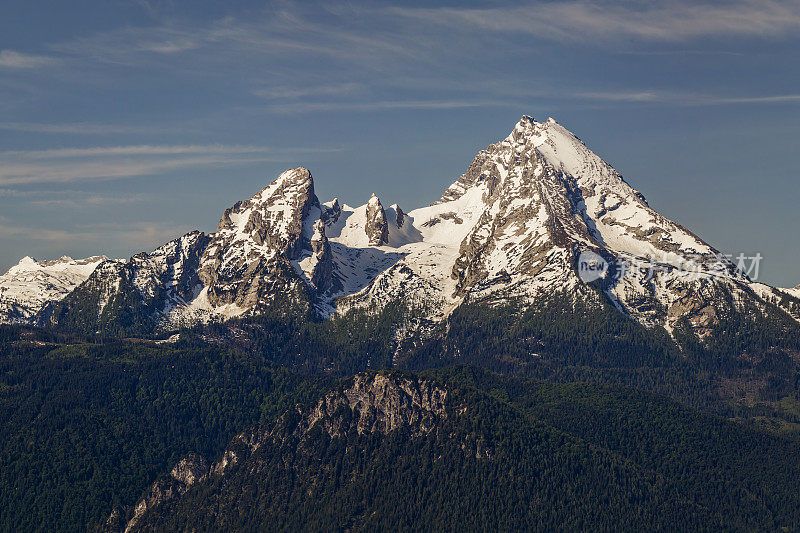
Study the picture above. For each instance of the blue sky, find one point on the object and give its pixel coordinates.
(125, 124)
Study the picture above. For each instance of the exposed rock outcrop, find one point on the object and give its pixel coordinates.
(253, 238)
(381, 404)
(373, 403)
(400, 216)
(331, 211)
(322, 271)
(187, 472)
(376, 227)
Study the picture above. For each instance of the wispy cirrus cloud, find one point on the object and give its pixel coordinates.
(776, 99)
(152, 150)
(518, 100)
(682, 99)
(281, 35)
(64, 165)
(79, 201)
(369, 35)
(293, 93)
(74, 199)
(382, 105)
(18, 60)
(360, 57)
(89, 128)
(614, 22)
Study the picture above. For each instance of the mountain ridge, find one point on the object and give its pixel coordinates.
(514, 226)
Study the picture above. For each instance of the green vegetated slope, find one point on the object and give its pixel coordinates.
(87, 427)
(512, 454)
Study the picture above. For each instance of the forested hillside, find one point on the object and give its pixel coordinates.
(508, 453)
(89, 426)
(90, 422)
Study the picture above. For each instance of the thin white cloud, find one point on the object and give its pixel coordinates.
(89, 200)
(682, 99)
(229, 42)
(522, 101)
(623, 96)
(86, 128)
(171, 46)
(779, 99)
(597, 22)
(153, 150)
(385, 105)
(103, 163)
(293, 93)
(19, 60)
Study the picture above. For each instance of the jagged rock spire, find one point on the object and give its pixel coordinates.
(323, 267)
(376, 227)
(400, 216)
(331, 211)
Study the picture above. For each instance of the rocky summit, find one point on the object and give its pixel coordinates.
(514, 226)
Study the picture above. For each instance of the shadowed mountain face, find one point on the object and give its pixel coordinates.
(517, 226)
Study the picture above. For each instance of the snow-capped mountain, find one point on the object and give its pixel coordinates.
(516, 225)
(30, 285)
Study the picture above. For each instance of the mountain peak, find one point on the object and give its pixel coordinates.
(525, 124)
(294, 174)
(291, 179)
(529, 120)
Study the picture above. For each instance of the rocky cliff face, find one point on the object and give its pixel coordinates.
(379, 404)
(373, 403)
(515, 226)
(400, 217)
(549, 199)
(254, 237)
(233, 272)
